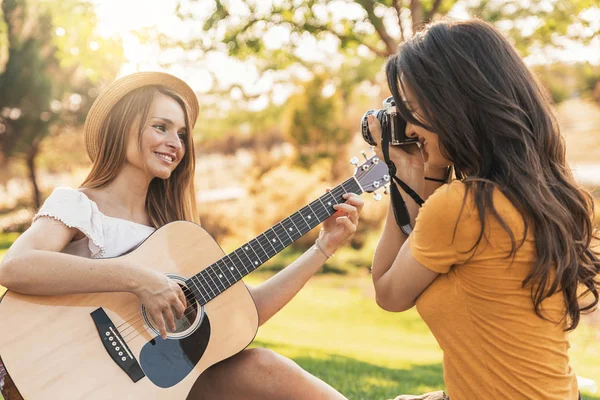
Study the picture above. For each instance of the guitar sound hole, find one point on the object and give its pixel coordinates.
(183, 324)
(190, 314)
(188, 320)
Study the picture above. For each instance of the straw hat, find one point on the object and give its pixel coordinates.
(118, 89)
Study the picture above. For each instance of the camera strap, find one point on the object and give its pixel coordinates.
(398, 205)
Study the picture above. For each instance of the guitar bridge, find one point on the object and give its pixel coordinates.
(115, 345)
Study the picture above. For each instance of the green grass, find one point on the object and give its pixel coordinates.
(334, 329)
(6, 240)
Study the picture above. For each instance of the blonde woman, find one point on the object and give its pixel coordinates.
(138, 134)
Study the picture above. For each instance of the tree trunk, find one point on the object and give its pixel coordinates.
(340, 164)
(30, 159)
(417, 15)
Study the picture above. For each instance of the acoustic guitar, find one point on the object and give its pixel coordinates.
(105, 345)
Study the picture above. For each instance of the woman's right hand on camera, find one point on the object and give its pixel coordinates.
(410, 165)
(162, 297)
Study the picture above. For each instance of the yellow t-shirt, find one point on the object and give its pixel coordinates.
(495, 346)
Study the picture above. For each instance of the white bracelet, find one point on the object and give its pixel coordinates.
(318, 246)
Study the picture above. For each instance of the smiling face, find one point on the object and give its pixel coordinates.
(162, 145)
(429, 140)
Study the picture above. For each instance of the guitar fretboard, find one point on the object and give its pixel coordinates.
(218, 277)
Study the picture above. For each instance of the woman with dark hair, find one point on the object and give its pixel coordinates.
(499, 263)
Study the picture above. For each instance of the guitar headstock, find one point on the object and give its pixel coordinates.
(372, 175)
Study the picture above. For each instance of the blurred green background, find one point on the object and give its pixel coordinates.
(282, 87)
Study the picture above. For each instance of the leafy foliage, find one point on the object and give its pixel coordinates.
(272, 36)
(49, 79)
(240, 27)
(565, 81)
(315, 122)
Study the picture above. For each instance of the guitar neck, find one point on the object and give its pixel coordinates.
(218, 277)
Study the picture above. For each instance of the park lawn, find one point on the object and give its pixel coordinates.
(334, 329)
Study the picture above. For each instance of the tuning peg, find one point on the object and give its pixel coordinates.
(377, 196)
(364, 154)
(354, 161)
(386, 190)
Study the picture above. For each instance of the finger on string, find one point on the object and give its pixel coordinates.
(346, 208)
(169, 318)
(182, 297)
(132, 320)
(137, 317)
(355, 200)
(348, 225)
(179, 308)
(181, 303)
(159, 320)
(139, 329)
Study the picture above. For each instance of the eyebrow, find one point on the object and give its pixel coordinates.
(167, 120)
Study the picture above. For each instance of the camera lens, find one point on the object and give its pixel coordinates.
(364, 128)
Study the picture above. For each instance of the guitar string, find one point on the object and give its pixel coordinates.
(191, 306)
(140, 316)
(193, 309)
(322, 213)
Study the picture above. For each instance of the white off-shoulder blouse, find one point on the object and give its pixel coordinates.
(104, 236)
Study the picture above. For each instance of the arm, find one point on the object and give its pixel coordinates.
(397, 277)
(271, 295)
(34, 265)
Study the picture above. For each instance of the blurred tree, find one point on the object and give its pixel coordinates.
(314, 121)
(54, 63)
(240, 27)
(316, 117)
(271, 34)
(565, 80)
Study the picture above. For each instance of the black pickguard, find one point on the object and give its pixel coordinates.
(168, 362)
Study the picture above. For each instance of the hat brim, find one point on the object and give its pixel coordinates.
(105, 102)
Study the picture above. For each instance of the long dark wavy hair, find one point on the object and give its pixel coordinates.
(498, 127)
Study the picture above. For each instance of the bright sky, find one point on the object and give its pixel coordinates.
(120, 17)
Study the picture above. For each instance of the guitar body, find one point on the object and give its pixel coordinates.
(86, 346)
(104, 346)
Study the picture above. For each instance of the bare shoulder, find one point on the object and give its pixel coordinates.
(45, 233)
(93, 194)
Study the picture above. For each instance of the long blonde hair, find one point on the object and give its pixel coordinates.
(167, 200)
